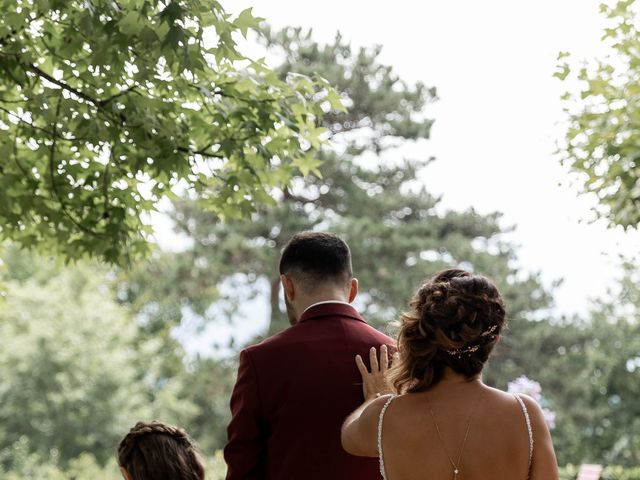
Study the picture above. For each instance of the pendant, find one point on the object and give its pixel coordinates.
(455, 474)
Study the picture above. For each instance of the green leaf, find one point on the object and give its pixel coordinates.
(335, 101)
(161, 30)
(246, 21)
(15, 20)
(130, 23)
(152, 105)
(307, 164)
(562, 71)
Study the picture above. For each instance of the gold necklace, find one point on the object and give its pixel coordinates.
(455, 465)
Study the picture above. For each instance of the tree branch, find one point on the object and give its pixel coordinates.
(119, 94)
(15, 157)
(35, 127)
(63, 85)
(105, 182)
(54, 190)
(100, 104)
(202, 152)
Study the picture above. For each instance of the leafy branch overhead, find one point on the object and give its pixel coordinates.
(602, 142)
(398, 232)
(106, 107)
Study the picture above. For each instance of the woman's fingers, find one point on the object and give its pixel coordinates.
(373, 359)
(376, 366)
(384, 359)
(361, 366)
(374, 383)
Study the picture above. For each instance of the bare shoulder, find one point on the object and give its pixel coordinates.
(506, 398)
(360, 432)
(508, 406)
(371, 413)
(535, 413)
(545, 464)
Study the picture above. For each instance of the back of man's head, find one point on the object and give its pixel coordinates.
(316, 258)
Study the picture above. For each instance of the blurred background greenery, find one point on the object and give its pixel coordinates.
(89, 348)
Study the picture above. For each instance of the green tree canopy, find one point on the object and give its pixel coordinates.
(106, 107)
(75, 371)
(590, 371)
(397, 231)
(603, 139)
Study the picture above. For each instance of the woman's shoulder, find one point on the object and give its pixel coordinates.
(505, 401)
(360, 436)
(376, 407)
(509, 405)
(533, 411)
(372, 413)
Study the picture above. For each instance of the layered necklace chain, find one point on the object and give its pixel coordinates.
(456, 464)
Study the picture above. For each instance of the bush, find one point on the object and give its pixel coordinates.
(613, 472)
(215, 467)
(21, 463)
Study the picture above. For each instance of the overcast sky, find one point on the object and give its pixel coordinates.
(498, 118)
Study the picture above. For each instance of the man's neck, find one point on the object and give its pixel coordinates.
(320, 302)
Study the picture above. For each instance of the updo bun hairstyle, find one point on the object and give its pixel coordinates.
(455, 320)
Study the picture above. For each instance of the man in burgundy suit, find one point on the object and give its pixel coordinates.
(295, 389)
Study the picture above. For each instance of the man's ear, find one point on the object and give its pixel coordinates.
(125, 474)
(288, 286)
(353, 292)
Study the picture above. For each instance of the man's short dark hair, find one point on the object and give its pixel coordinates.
(316, 258)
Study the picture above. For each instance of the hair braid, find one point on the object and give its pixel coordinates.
(136, 452)
(454, 321)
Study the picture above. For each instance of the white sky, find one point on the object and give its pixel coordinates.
(497, 119)
(498, 116)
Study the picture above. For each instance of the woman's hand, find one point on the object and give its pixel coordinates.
(374, 383)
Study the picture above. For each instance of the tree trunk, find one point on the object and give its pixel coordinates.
(278, 319)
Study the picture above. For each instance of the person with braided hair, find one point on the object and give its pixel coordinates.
(157, 451)
(429, 415)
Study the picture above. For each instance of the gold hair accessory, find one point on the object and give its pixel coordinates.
(488, 332)
(458, 352)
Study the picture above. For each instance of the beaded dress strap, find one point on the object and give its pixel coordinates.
(529, 430)
(380, 419)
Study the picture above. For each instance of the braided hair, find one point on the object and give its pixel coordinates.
(157, 451)
(454, 322)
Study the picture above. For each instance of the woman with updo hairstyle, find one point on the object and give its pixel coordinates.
(157, 451)
(429, 416)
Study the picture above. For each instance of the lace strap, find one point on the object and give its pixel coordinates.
(380, 419)
(529, 429)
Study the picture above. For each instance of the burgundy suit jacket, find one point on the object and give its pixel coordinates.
(293, 392)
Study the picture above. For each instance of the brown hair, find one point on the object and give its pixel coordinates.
(156, 451)
(454, 321)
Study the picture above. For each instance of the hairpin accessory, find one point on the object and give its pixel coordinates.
(458, 352)
(488, 332)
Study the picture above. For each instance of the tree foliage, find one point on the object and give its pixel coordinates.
(602, 140)
(75, 371)
(590, 371)
(397, 231)
(106, 107)
(85, 356)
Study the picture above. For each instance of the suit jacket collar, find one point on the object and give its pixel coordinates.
(330, 310)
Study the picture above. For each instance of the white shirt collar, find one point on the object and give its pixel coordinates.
(322, 303)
